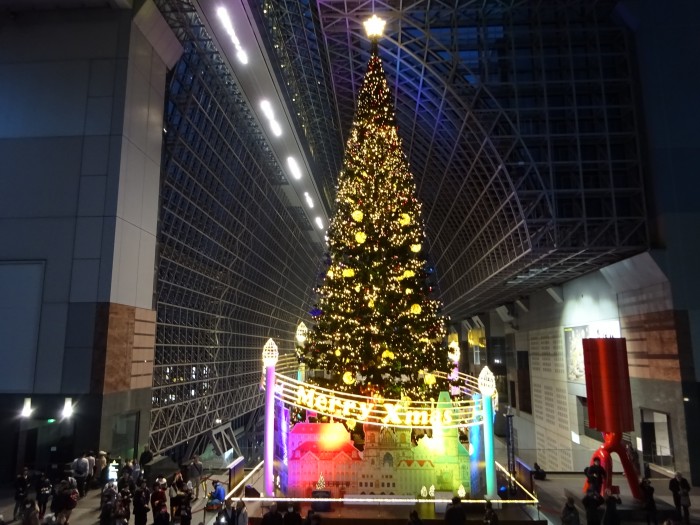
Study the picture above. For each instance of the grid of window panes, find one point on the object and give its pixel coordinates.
(235, 265)
(521, 124)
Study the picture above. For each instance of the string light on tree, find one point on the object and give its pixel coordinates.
(378, 330)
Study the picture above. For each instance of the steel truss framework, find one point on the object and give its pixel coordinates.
(519, 120)
(234, 262)
(522, 128)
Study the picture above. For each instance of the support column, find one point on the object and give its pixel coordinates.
(270, 355)
(487, 387)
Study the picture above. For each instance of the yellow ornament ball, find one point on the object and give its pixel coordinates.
(360, 237)
(405, 219)
(370, 303)
(348, 272)
(358, 288)
(348, 378)
(415, 248)
(388, 354)
(416, 309)
(429, 379)
(408, 273)
(357, 216)
(337, 353)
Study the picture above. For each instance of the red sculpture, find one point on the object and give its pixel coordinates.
(610, 404)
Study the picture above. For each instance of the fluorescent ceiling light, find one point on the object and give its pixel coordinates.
(276, 128)
(319, 223)
(266, 108)
(228, 27)
(294, 168)
(309, 200)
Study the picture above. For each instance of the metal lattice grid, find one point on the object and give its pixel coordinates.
(520, 122)
(234, 262)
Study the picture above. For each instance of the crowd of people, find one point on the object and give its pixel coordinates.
(131, 492)
(601, 504)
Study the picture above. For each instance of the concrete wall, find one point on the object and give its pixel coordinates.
(81, 112)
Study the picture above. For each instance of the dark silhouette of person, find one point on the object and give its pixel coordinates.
(595, 474)
(539, 474)
(680, 488)
(610, 514)
(455, 514)
(592, 502)
(648, 503)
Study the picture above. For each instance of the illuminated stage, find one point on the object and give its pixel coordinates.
(410, 452)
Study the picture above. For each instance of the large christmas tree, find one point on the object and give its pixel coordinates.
(378, 331)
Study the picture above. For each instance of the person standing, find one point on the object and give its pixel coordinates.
(141, 499)
(610, 514)
(490, 516)
(145, 461)
(195, 475)
(592, 502)
(242, 513)
(22, 483)
(680, 488)
(80, 472)
(90, 480)
(648, 502)
(455, 514)
(595, 474)
(292, 517)
(569, 514)
(414, 518)
(272, 516)
(227, 515)
(43, 493)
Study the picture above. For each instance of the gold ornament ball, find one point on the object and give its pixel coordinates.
(429, 379)
(360, 237)
(357, 215)
(348, 272)
(405, 219)
(415, 248)
(348, 378)
(416, 309)
(337, 353)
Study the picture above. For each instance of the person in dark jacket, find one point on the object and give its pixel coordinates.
(293, 517)
(648, 502)
(43, 493)
(680, 488)
(490, 516)
(141, 500)
(272, 516)
(610, 514)
(455, 514)
(595, 474)
(569, 514)
(22, 484)
(592, 502)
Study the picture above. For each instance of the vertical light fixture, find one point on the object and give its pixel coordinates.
(270, 355)
(67, 407)
(487, 387)
(27, 407)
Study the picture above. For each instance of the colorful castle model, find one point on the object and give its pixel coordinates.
(390, 464)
